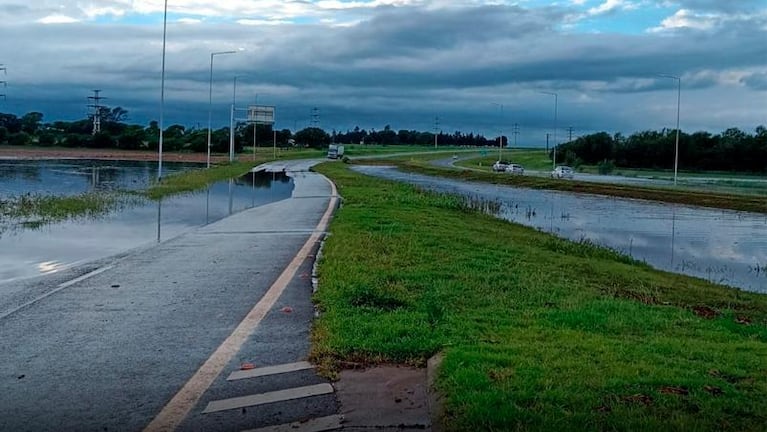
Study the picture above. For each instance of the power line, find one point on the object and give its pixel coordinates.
(96, 105)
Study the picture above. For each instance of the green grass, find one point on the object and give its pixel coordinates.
(197, 179)
(538, 333)
(530, 159)
(744, 202)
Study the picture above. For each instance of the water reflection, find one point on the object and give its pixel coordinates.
(721, 246)
(26, 252)
(71, 177)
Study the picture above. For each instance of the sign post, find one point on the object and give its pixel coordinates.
(261, 114)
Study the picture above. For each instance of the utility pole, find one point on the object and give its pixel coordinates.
(516, 132)
(436, 130)
(315, 122)
(96, 105)
(4, 83)
(570, 131)
(547, 142)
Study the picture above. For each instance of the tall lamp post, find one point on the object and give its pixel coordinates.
(556, 101)
(162, 90)
(210, 96)
(678, 104)
(500, 131)
(231, 118)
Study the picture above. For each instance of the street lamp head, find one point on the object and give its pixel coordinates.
(222, 53)
(669, 76)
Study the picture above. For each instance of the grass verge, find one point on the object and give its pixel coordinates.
(539, 333)
(193, 180)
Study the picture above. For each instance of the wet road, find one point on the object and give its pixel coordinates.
(106, 346)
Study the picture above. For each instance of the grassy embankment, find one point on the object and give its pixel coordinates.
(720, 182)
(539, 333)
(743, 202)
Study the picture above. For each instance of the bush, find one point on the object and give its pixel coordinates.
(606, 167)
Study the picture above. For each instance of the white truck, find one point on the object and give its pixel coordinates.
(335, 151)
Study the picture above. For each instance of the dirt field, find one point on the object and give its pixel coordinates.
(7, 152)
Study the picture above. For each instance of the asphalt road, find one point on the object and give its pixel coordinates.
(108, 352)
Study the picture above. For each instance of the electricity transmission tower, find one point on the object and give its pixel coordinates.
(315, 117)
(96, 106)
(516, 132)
(4, 83)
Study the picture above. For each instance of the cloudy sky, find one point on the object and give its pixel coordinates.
(399, 62)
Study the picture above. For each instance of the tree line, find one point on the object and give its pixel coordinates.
(731, 150)
(30, 129)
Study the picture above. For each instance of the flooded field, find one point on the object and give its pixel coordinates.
(26, 252)
(722, 246)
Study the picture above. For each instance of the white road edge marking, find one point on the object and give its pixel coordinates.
(269, 397)
(269, 370)
(59, 288)
(179, 406)
(320, 424)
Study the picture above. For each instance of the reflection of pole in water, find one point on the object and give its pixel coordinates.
(94, 177)
(551, 220)
(159, 218)
(673, 233)
(231, 195)
(253, 189)
(207, 206)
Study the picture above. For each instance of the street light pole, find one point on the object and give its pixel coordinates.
(162, 91)
(500, 131)
(678, 105)
(210, 96)
(556, 102)
(231, 118)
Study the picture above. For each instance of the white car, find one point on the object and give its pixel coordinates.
(500, 166)
(562, 172)
(515, 169)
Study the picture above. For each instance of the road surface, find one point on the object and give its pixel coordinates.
(146, 340)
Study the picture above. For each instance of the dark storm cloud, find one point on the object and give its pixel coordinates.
(403, 65)
(757, 81)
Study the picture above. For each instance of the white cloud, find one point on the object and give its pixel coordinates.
(189, 21)
(609, 6)
(57, 19)
(685, 18)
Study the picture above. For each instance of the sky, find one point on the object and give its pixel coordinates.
(476, 66)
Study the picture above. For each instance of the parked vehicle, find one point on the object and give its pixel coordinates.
(500, 166)
(562, 172)
(515, 169)
(335, 151)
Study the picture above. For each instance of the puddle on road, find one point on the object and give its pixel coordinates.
(721, 246)
(33, 250)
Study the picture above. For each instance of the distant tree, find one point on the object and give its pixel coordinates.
(46, 139)
(313, 137)
(20, 139)
(31, 122)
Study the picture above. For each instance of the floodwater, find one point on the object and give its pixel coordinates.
(26, 252)
(721, 246)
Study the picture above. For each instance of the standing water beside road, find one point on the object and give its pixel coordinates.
(31, 250)
(721, 246)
